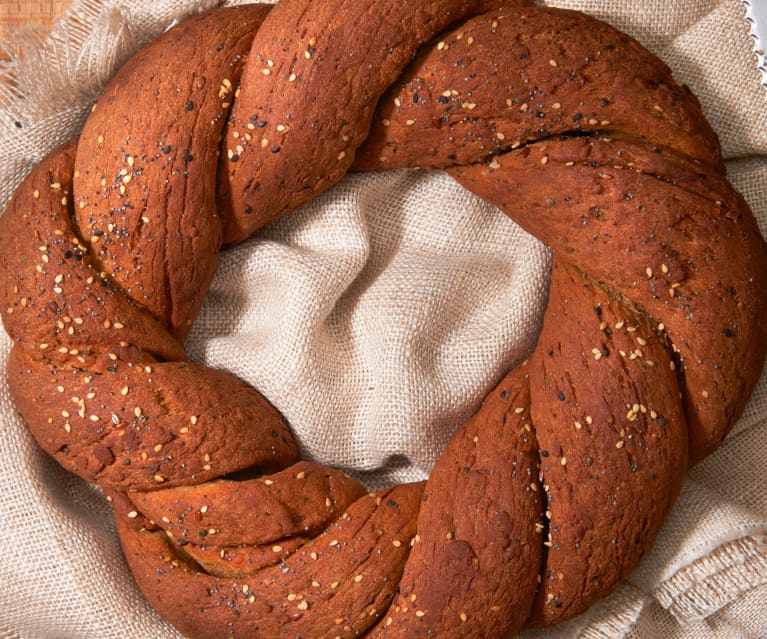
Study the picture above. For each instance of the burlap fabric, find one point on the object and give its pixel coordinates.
(375, 319)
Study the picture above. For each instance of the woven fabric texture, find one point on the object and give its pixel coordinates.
(376, 318)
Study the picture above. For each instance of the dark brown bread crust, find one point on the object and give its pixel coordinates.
(612, 438)
(303, 47)
(652, 342)
(146, 165)
(472, 571)
(530, 74)
(300, 500)
(678, 242)
(338, 584)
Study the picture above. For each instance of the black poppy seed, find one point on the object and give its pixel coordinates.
(261, 124)
(98, 232)
(78, 257)
(598, 310)
(68, 254)
(544, 453)
(661, 421)
(577, 116)
(234, 157)
(416, 98)
(248, 210)
(188, 157)
(190, 105)
(605, 351)
(442, 99)
(728, 333)
(391, 503)
(182, 542)
(504, 394)
(18, 124)
(731, 290)
(604, 102)
(522, 56)
(540, 114)
(275, 149)
(561, 396)
(166, 149)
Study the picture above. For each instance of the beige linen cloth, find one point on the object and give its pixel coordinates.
(375, 319)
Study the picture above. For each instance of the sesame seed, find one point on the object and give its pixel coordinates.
(132, 514)
(553, 62)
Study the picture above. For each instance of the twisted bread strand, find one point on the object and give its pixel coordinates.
(555, 489)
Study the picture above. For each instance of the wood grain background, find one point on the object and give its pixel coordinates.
(17, 13)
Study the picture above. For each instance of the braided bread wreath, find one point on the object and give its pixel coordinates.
(553, 491)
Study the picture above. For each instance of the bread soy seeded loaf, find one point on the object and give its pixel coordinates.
(651, 344)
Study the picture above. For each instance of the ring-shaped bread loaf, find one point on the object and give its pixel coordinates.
(652, 340)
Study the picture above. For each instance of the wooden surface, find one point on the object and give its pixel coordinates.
(17, 13)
